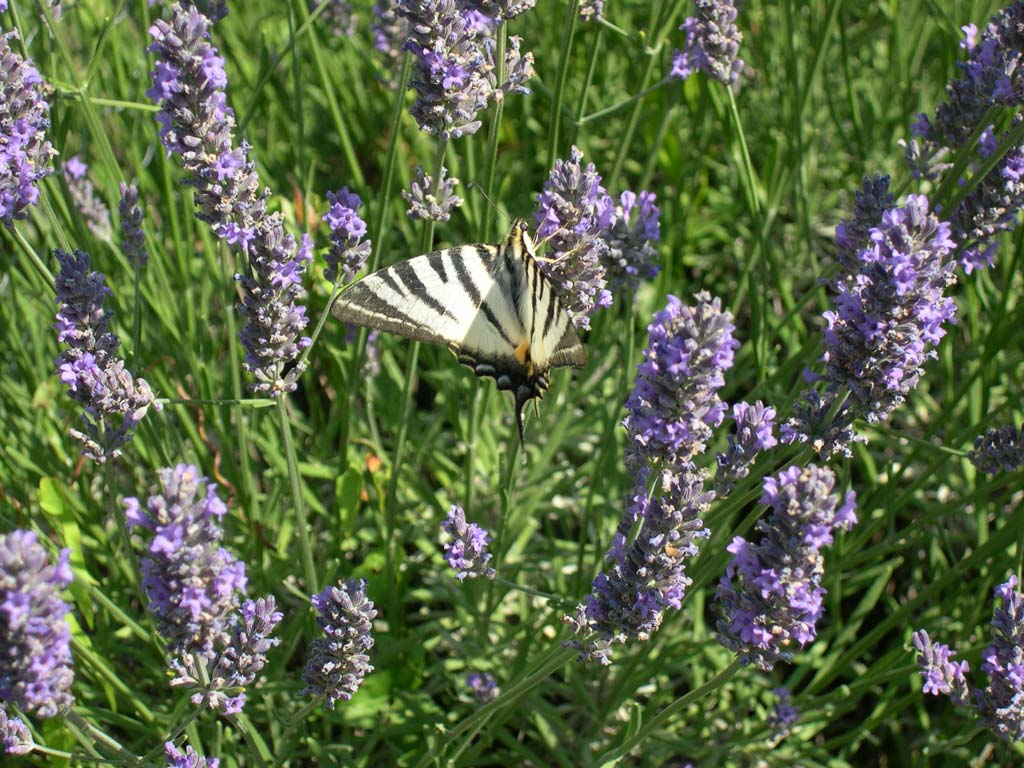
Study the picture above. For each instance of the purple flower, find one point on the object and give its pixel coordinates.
(712, 43)
(500, 9)
(85, 199)
(466, 552)
(35, 665)
(1001, 702)
(337, 17)
(196, 124)
(114, 402)
(771, 593)
(450, 73)
(15, 738)
(784, 716)
(193, 584)
(483, 686)
(674, 405)
(1000, 449)
(236, 664)
(755, 426)
(573, 215)
(187, 759)
(133, 240)
(390, 31)
(339, 662)
(671, 411)
(424, 203)
(889, 314)
(631, 256)
(25, 154)
(993, 75)
(591, 10)
(348, 251)
(853, 235)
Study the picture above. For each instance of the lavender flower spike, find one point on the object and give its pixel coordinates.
(337, 17)
(467, 551)
(187, 759)
(349, 251)
(35, 665)
(631, 256)
(784, 716)
(501, 9)
(95, 376)
(15, 738)
(339, 662)
(237, 663)
(673, 406)
(754, 433)
(189, 83)
(483, 686)
(771, 593)
(390, 31)
(85, 199)
(941, 674)
(450, 72)
(133, 240)
(193, 584)
(999, 450)
(25, 154)
(712, 43)
(427, 204)
(573, 214)
(888, 315)
(591, 10)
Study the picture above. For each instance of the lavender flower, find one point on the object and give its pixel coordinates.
(631, 256)
(1000, 449)
(483, 686)
(518, 69)
(1001, 702)
(114, 402)
(189, 82)
(853, 235)
(466, 552)
(133, 240)
(339, 662)
(573, 214)
(941, 674)
(771, 593)
(348, 251)
(390, 31)
(25, 154)
(35, 660)
(337, 17)
(712, 43)
(424, 203)
(784, 716)
(991, 76)
(237, 663)
(888, 313)
(754, 433)
(371, 356)
(450, 71)
(187, 759)
(85, 199)
(674, 405)
(591, 10)
(193, 584)
(501, 9)
(15, 738)
(214, 10)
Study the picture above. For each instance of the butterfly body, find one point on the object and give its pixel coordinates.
(490, 304)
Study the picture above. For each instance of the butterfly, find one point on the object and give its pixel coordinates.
(489, 303)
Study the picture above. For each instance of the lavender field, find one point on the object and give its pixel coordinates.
(749, 274)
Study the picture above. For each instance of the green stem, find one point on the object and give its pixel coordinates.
(573, 9)
(33, 257)
(305, 548)
(254, 402)
(103, 738)
(676, 706)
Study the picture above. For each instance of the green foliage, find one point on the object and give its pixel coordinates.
(830, 87)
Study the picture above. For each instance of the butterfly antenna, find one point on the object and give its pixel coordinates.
(493, 204)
